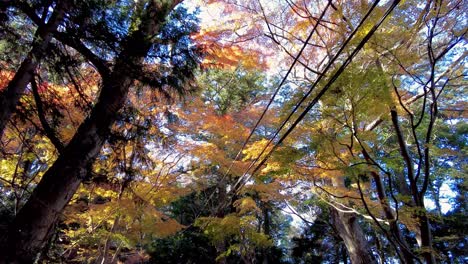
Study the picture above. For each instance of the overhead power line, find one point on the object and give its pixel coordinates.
(323, 90)
(283, 80)
(270, 102)
(330, 82)
(301, 101)
(278, 88)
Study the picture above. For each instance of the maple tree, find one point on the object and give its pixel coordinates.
(349, 149)
(232, 226)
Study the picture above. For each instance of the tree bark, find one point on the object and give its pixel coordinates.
(426, 237)
(356, 243)
(424, 234)
(266, 229)
(349, 230)
(10, 96)
(33, 224)
(389, 215)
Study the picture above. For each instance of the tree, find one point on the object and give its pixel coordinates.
(346, 143)
(213, 129)
(319, 241)
(100, 162)
(32, 226)
(361, 154)
(10, 95)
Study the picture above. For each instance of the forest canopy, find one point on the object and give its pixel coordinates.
(228, 131)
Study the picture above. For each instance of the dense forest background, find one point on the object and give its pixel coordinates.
(229, 131)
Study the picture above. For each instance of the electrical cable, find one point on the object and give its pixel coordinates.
(270, 102)
(330, 63)
(325, 88)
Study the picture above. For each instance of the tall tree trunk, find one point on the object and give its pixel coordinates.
(220, 212)
(426, 237)
(10, 96)
(33, 224)
(349, 230)
(266, 229)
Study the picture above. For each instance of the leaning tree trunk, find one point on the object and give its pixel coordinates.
(349, 230)
(10, 96)
(33, 224)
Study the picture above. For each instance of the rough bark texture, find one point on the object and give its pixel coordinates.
(349, 230)
(9, 97)
(35, 220)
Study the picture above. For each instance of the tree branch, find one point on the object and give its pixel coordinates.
(100, 64)
(49, 131)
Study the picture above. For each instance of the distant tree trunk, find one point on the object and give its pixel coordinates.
(9, 97)
(266, 229)
(34, 222)
(337, 253)
(344, 256)
(380, 249)
(349, 230)
(107, 243)
(220, 212)
(127, 179)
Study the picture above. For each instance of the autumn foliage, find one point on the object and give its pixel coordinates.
(233, 131)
